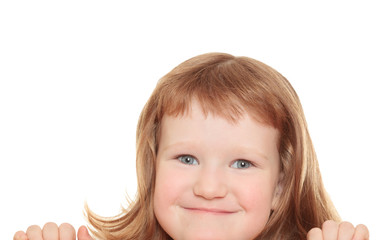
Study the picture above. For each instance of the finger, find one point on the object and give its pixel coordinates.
(34, 233)
(314, 234)
(345, 231)
(330, 230)
(20, 235)
(50, 231)
(67, 232)
(83, 234)
(361, 233)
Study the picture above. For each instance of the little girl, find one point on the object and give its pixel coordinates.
(223, 152)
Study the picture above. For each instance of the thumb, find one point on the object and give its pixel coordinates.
(83, 234)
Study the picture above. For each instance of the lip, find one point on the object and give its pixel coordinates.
(215, 211)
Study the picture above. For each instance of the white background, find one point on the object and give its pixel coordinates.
(74, 76)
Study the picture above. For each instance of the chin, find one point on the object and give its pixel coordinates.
(212, 235)
(204, 236)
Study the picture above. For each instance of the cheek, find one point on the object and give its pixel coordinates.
(256, 197)
(164, 190)
(169, 184)
(169, 188)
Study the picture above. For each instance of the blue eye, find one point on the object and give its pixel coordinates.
(241, 164)
(187, 159)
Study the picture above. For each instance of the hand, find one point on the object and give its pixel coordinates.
(339, 231)
(51, 231)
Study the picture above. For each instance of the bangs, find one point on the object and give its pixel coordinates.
(226, 86)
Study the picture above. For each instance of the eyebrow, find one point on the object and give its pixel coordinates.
(186, 144)
(252, 151)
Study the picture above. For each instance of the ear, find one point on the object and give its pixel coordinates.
(277, 192)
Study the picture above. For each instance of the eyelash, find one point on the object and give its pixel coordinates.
(191, 160)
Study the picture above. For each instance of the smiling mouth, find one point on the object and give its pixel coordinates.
(209, 211)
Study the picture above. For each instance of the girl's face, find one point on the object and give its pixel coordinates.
(215, 179)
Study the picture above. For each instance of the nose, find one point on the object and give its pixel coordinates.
(210, 184)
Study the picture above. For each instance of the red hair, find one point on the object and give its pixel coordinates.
(228, 86)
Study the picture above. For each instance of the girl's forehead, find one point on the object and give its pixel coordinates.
(221, 112)
(196, 129)
(196, 113)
